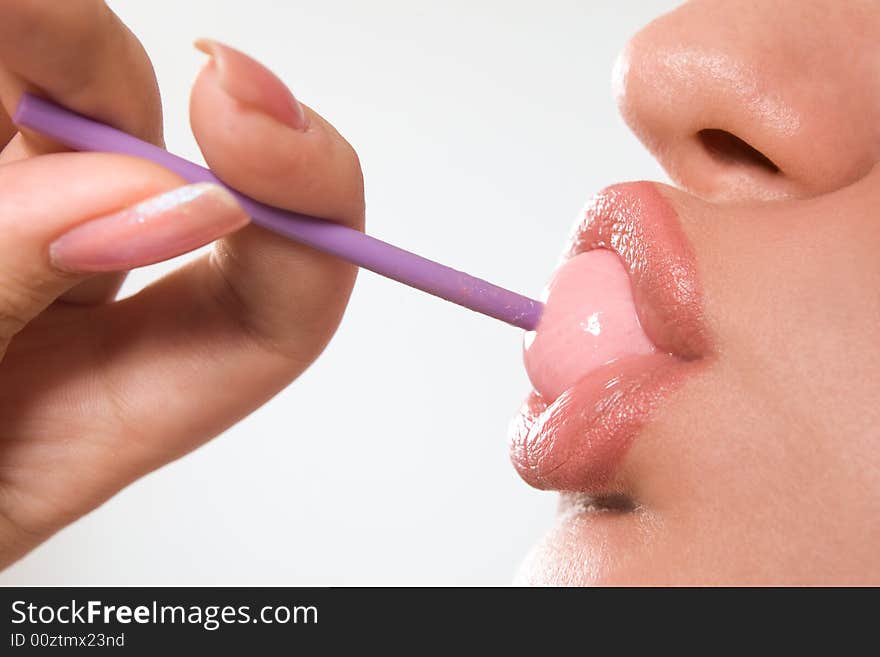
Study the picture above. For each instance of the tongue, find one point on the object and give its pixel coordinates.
(589, 320)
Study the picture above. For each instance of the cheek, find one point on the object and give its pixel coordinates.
(781, 434)
(749, 493)
(795, 305)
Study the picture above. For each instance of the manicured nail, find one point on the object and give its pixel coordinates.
(251, 83)
(159, 228)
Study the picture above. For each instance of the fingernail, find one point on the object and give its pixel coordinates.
(159, 228)
(251, 83)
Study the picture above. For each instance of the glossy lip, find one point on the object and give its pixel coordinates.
(576, 442)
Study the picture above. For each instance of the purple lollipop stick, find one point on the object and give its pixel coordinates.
(84, 134)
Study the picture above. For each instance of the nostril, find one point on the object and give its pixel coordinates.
(730, 149)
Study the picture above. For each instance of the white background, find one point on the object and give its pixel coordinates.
(482, 127)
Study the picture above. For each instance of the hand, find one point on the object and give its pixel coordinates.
(96, 393)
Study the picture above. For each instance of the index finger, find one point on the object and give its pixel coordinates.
(79, 54)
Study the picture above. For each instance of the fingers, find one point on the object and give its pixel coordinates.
(51, 238)
(155, 375)
(213, 341)
(81, 55)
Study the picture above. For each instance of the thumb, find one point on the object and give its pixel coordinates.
(258, 138)
(56, 230)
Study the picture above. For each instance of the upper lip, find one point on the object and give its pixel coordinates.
(576, 441)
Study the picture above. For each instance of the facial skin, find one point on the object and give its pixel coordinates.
(763, 466)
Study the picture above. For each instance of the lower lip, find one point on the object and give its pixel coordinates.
(577, 442)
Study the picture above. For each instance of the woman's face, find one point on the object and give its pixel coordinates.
(752, 453)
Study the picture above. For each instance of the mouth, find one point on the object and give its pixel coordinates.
(591, 403)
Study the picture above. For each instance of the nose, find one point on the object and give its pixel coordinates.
(756, 100)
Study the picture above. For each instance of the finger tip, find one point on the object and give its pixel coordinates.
(205, 45)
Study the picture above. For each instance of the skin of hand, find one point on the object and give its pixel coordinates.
(96, 393)
(763, 468)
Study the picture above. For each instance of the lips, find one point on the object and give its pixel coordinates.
(574, 439)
